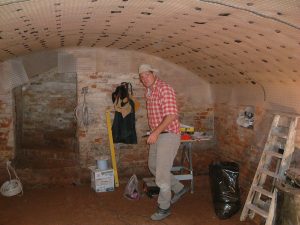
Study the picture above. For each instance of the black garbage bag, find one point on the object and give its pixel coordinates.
(225, 188)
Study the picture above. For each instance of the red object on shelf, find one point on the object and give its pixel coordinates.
(186, 137)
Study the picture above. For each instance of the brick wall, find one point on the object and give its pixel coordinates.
(102, 75)
(236, 143)
(202, 119)
(47, 111)
(243, 145)
(6, 132)
(101, 71)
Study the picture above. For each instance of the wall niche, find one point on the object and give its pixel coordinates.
(45, 128)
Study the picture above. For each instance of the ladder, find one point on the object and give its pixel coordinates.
(275, 160)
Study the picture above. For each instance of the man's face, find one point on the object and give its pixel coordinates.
(147, 78)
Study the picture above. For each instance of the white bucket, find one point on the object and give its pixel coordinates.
(102, 163)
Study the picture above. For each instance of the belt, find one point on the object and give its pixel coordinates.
(163, 132)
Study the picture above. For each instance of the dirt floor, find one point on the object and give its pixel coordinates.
(80, 205)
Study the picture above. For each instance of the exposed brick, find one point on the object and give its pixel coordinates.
(242, 145)
(50, 112)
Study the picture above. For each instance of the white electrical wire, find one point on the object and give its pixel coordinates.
(82, 113)
(13, 186)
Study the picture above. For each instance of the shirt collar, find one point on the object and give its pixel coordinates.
(150, 89)
(153, 86)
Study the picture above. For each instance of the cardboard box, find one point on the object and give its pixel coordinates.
(102, 180)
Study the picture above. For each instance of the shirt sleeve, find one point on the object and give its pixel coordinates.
(168, 101)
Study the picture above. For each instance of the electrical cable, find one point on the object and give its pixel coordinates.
(13, 186)
(82, 112)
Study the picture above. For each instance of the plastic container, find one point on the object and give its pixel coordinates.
(102, 163)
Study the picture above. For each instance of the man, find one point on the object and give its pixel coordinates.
(164, 138)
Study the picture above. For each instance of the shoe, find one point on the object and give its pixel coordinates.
(160, 214)
(178, 195)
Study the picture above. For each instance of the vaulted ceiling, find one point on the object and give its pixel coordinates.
(222, 41)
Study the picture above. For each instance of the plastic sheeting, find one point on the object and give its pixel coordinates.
(12, 74)
(225, 188)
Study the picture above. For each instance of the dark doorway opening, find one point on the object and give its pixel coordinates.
(45, 128)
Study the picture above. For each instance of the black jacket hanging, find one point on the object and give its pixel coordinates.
(123, 128)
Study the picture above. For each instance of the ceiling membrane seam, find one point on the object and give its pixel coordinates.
(128, 35)
(252, 11)
(166, 12)
(14, 2)
(113, 34)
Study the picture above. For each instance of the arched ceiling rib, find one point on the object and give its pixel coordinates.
(222, 41)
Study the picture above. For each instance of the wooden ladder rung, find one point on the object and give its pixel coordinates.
(254, 203)
(270, 173)
(260, 211)
(275, 154)
(278, 134)
(263, 191)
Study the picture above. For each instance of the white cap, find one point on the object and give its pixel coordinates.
(146, 68)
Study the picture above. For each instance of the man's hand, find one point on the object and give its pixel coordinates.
(161, 127)
(152, 138)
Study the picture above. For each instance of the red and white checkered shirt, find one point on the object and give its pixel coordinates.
(161, 101)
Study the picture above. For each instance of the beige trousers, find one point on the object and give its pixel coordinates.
(160, 162)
